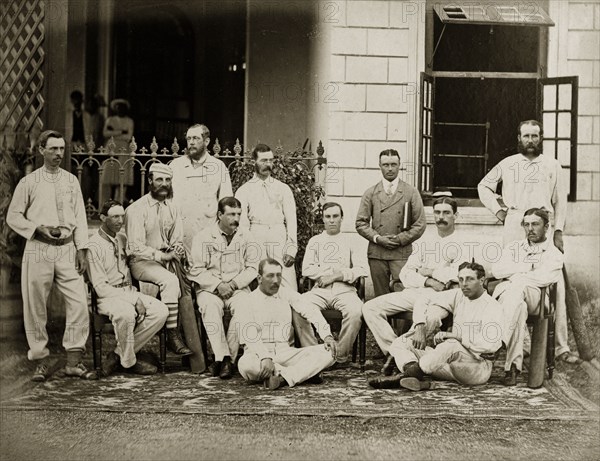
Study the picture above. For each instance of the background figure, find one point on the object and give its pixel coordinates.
(93, 125)
(118, 126)
(77, 131)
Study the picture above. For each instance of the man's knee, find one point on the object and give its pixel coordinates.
(249, 367)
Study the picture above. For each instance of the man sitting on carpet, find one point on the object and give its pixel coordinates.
(464, 354)
(265, 332)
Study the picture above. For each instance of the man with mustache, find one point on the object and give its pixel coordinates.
(224, 261)
(466, 353)
(432, 267)
(269, 210)
(531, 179)
(47, 209)
(528, 265)
(155, 235)
(199, 181)
(267, 333)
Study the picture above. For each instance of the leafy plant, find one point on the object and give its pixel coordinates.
(296, 170)
(11, 172)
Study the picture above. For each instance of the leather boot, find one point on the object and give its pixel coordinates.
(175, 344)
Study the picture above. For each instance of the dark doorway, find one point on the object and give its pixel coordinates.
(174, 62)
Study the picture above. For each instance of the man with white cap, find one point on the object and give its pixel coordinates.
(155, 234)
(199, 182)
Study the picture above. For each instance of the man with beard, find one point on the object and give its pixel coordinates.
(224, 259)
(269, 209)
(381, 220)
(266, 326)
(466, 353)
(47, 210)
(155, 235)
(136, 317)
(432, 267)
(199, 181)
(531, 179)
(528, 265)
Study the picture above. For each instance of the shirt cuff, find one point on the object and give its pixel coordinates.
(375, 238)
(158, 256)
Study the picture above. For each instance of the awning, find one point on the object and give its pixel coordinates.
(493, 13)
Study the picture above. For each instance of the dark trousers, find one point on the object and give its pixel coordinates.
(382, 270)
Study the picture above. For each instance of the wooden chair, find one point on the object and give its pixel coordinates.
(99, 323)
(542, 355)
(334, 318)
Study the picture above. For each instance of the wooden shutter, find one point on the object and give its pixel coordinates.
(425, 167)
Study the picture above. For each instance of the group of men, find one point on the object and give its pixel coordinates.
(191, 235)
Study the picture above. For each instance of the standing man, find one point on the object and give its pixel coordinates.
(332, 263)
(432, 267)
(531, 179)
(381, 220)
(529, 264)
(466, 353)
(199, 182)
(155, 237)
(265, 332)
(136, 317)
(269, 209)
(224, 261)
(47, 209)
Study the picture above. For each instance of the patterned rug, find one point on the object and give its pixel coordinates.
(345, 392)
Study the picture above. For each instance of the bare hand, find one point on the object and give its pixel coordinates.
(331, 345)
(387, 242)
(46, 231)
(558, 241)
(501, 215)
(440, 337)
(225, 291)
(267, 368)
(288, 260)
(425, 271)
(326, 280)
(81, 263)
(435, 284)
(419, 338)
(140, 308)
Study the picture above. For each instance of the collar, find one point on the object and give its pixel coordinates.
(152, 201)
(202, 160)
(107, 237)
(265, 296)
(394, 183)
(536, 247)
(269, 180)
(538, 159)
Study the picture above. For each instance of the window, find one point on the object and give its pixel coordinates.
(485, 69)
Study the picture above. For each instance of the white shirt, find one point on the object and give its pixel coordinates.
(269, 203)
(390, 186)
(442, 255)
(479, 321)
(327, 254)
(536, 265)
(197, 189)
(537, 183)
(49, 199)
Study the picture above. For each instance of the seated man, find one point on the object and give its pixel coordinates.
(136, 317)
(265, 332)
(155, 234)
(464, 354)
(223, 263)
(528, 265)
(432, 267)
(332, 263)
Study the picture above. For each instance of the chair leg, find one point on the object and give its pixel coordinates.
(355, 349)
(550, 348)
(162, 361)
(362, 334)
(97, 349)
